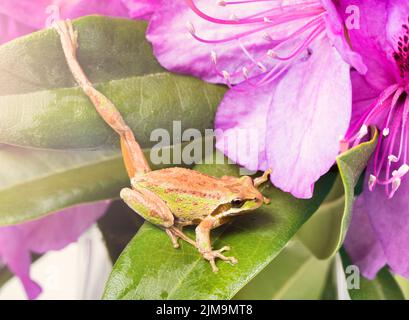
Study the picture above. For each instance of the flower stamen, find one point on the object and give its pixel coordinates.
(395, 137)
(294, 43)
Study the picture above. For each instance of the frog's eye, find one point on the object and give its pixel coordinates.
(237, 203)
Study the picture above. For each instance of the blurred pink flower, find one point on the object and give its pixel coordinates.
(56, 231)
(21, 17)
(53, 232)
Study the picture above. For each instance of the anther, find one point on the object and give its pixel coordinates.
(213, 56)
(226, 75)
(267, 36)
(266, 19)
(392, 158)
(221, 3)
(191, 28)
(372, 182)
(363, 131)
(395, 186)
(385, 132)
(404, 169)
(245, 72)
(234, 17)
(262, 67)
(271, 53)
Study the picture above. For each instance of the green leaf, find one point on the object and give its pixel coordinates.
(383, 287)
(5, 275)
(42, 107)
(404, 285)
(150, 268)
(330, 291)
(295, 274)
(35, 183)
(332, 219)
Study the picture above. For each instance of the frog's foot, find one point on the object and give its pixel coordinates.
(174, 238)
(211, 256)
(175, 233)
(69, 37)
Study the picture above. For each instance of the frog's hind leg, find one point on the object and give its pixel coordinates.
(134, 158)
(175, 233)
(153, 209)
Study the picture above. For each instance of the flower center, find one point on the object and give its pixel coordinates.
(306, 21)
(390, 163)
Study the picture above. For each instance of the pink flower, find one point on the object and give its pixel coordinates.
(21, 17)
(53, 232)
(287, 64)
(379, 232)
(56, 231)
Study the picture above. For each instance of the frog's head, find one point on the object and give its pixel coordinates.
(245, 195)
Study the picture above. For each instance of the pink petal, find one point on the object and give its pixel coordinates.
(178, 51)
(390, 221)
(362, 243)
(53, 232)
(336, 33)
(27, 12)
(11, 28)
(142, 9)
(293, 121)
(240, 123)
(112, 8)
(370, 41)
(18, 18)
(363, 95)
(16, 255)
(309, 114)
(398, 13)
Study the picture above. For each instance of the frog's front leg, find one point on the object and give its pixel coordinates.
(204, 246)
(153, 209)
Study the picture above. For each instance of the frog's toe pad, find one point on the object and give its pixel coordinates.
(173, 238)
(211, 256)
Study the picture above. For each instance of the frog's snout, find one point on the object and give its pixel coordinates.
(260, 199)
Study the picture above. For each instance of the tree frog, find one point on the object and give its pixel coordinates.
(175, 197)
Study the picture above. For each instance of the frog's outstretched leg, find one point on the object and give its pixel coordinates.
(204, 246)
(134, 158)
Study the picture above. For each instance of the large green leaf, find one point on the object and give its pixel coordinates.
(34, 183)
(150, 268)
(383, 287)
(42, 107)
(295, 274)
(404, 285)
(330, 291)
(332, 219)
